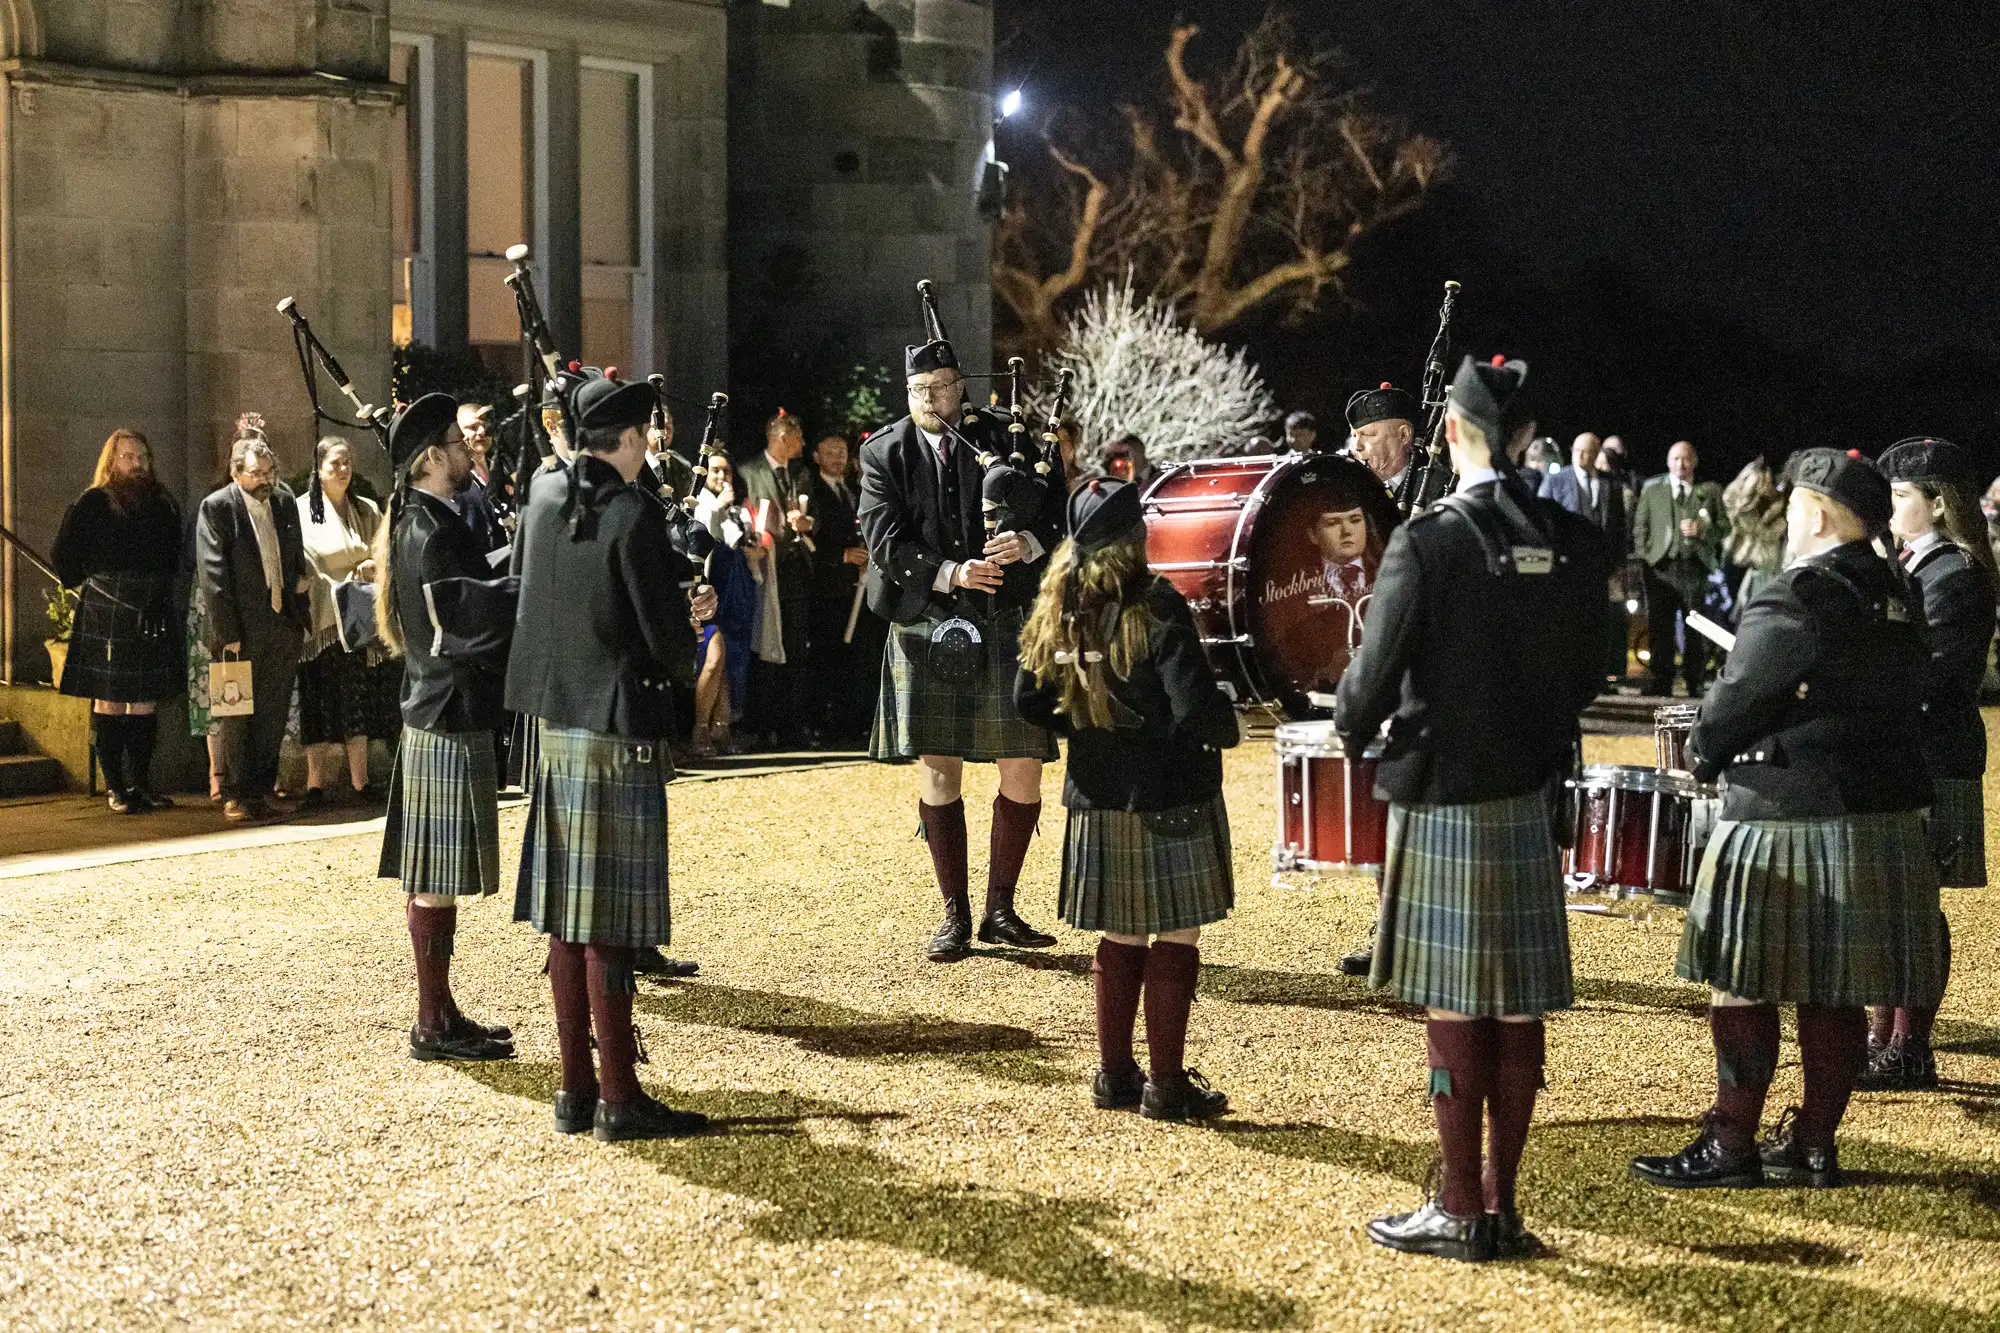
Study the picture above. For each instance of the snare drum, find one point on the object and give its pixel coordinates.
(1329, 817)
(1633, 828)
(1672, 724)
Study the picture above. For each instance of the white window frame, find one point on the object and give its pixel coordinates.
(642, 276)
(538, 220)
(423, 265)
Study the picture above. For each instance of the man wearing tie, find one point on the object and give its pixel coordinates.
(1677, 533)
(1585, 490)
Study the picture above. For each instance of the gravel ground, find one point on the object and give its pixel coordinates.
(210, 1121)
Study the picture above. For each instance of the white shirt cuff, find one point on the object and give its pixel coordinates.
(1034, 545)
(946, 572)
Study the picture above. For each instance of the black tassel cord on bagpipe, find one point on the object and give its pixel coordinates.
(1431, 453)
(314, 357)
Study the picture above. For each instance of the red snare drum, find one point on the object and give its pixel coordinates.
(1634, 834)
(1672, 725)
(1276, 555)
(1328, 815)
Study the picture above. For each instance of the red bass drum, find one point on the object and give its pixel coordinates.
(1277, 556)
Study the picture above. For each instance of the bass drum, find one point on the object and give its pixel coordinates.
(1277, 557)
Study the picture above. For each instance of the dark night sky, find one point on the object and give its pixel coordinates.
(1760, 224)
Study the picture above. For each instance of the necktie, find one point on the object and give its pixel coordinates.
(948, 489)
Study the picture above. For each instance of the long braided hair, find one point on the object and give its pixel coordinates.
(1090, 615)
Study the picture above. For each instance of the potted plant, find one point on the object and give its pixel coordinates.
(62, 620)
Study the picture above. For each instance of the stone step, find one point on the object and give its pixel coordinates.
(29, 775)
(10, 737)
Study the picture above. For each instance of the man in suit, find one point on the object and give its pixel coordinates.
(252, 563)
(776, 490)
(955, 599)
(839, 557)
(478, 502)
(1677, 533)
(1586, 490)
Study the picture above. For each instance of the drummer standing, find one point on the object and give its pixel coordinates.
(1480, 653)
(1817, 886)
(1935, 514)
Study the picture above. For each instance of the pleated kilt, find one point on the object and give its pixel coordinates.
(124, 645)
(1957, 830)
(1840, 911)
(1143, 873)
(594, 857)
(1473, 918)
(919, 714)
(443, 833)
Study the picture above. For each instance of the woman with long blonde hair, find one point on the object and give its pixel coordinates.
(1111, 659)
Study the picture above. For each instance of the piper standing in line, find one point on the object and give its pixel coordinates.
(604, 632)
(1481, 654)
(1817, 887)
(1384, 422)
(1110, 657)
(439, 607)
(1934, 513)
(955, 600)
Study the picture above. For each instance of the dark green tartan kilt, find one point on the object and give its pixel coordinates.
(594, 856)
(125, 645)
(1473, 918)
(1144, 873)
(443, 831)
(919, 714)
(1840, 911)
(1956, 827)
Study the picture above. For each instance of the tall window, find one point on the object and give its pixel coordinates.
(611, 213)
(406, 185)
(500, 168)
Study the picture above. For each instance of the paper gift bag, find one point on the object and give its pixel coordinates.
(229, 688)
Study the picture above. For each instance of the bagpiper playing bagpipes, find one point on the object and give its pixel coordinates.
(960, 509)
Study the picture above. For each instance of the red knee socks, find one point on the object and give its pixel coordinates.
(944, 831)
(431, 932)
(1746, 1056)
(612, 986)
(1916, 1024)
(1118, 973)
(1833, 1047)
(1171, 974)
(1520, 1053)
(569, 987)
(1461, 1060)
(1013, 830)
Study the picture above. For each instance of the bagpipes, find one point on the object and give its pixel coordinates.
(311, 350)
(1431, 452)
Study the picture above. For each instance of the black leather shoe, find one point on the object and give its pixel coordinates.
(151, 800)
(121, 803)
(1119, 1090)
(652, 963)
(575, 1115)
(461, 1026)
(1431, 1230)
(1511, 1238)
(1904, 1065)
(1003, 925)
(1789, 1162)
(645, 1118)
(1359, 963)
(1703, 1164)
(953, 939)
(449, 1045)
(1185, 1098)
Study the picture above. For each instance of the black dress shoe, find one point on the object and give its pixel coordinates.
(1003, 925)
(1359, 963)
(1118, 1090)
(450, 1045)
(151, 800)
(1188, 1097)
(461, 1026)
(953, 939)
(315, 799)
(1702, 1165)
(121, 803)
(1511, 1237)
(1431, 1230)
(1904, 1065)
(1789, 1162)
(645, 1118)
(652, 963)
(575, 1115)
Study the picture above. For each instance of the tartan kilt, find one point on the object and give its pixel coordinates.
(1839, 911)
(1146, 872)
(1957, 830)
(594, 856)
(123, 645)
(1473, 917)
(919, 714)
(443, 830)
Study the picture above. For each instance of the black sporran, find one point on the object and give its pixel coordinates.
(958, 652)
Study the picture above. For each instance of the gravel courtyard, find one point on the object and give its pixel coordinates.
(208, 1119)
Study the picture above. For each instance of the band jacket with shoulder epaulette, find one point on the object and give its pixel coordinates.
(903, 522)
(1817, 711)
(603, 632)
(454, 669)
(1172, 722)
(1483, 645)
(1958, 613)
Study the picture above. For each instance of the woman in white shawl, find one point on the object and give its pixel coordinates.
(349, 691)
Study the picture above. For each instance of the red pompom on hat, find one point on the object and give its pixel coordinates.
(1499, 359)
(1387, 385)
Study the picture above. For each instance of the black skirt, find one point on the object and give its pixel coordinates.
(342, 695)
